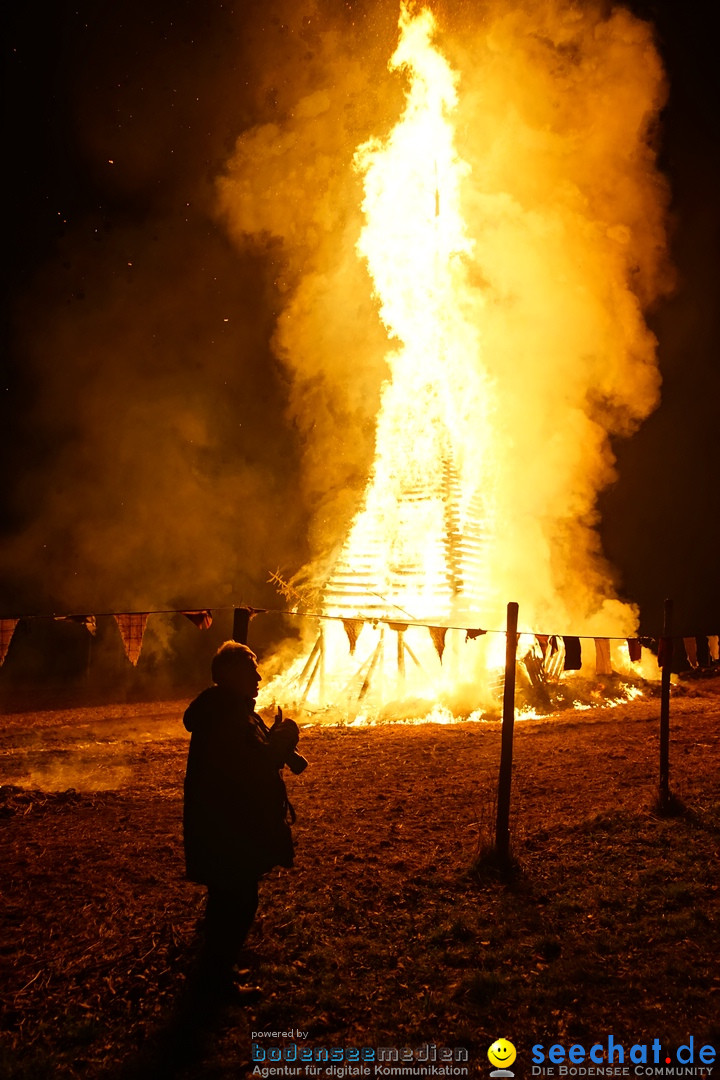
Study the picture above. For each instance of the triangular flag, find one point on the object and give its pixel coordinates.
(88, 621)
(573, 654)
(470, 635)
(602, 656)
(634, 649)
(352, 629)
(132, 629)
(201, 619)
(7, 629)
(691, 651)
(437, 633)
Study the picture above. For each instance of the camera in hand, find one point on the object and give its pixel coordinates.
(295, 762)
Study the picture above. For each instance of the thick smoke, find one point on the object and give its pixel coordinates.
(568, 212)
(148, 462)
(156, 447)
(290, 191)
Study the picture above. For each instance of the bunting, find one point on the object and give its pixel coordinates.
(352, 629)
(7, 629)
(691, 651)
(634, 649)
(573, 654)
(603, 665)
(201, 619)
(701, 651)
(132, 630)
(553, 658)
(437, 633)
(88, 621)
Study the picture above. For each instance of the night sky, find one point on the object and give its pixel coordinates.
(661, 521)
(128, 304)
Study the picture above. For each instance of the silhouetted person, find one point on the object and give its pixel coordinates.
(236, 810)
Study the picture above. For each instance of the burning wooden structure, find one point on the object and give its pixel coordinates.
(503, 276)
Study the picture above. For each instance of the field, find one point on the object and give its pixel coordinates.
(389, 931)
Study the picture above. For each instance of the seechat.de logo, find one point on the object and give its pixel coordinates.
(501, 1054)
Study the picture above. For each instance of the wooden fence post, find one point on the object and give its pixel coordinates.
(502, 829)
(667, 653)
(241, 624)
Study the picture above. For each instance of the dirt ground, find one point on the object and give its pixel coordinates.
(386, 932)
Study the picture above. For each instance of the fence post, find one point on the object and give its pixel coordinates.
(502, 830)
(667, 653)
(241, 624)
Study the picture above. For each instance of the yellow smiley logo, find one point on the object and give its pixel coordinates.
(502, 1053)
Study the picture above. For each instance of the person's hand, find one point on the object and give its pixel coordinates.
(289, 732)
(284, 733)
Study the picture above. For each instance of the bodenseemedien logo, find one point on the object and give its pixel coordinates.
(501, 1054)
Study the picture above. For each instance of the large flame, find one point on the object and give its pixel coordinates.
(512, 229)
(430, 493)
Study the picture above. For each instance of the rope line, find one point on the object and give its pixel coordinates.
(372, 619)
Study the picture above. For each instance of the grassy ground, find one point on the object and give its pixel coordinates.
(386, 933)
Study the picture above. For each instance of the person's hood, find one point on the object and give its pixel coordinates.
(212, 702)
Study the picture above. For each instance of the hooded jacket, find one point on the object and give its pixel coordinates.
(235, 800)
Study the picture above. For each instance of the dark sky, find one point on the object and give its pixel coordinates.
(135, 407)
(661, 521)
(119, 116)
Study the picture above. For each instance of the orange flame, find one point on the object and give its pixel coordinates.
(513, 230)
